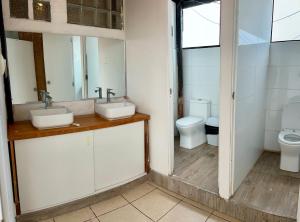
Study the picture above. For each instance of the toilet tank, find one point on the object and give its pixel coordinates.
(200, 108)
(291, 116)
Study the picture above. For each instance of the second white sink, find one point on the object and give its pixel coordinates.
(52, 117)
(115, 110)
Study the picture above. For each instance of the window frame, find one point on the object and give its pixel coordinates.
(199, 47)
(271, 37)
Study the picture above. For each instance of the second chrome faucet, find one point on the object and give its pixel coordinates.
(109, 93)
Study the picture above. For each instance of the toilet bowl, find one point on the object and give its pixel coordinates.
(289, 141)
(192, 131)
(289, 137)
(192, 127)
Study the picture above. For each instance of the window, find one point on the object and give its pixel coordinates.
(201, 25)
(18, 8)
(286, 20)
(98, 13)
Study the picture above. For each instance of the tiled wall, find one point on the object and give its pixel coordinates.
(201, 72)
(283, 83)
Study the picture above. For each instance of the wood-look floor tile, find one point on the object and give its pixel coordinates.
(213, 218)
(269, 189)
(225, 217)
(49, 220)
(198, 205)
(198, 167)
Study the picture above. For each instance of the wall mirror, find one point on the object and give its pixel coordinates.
(68, 67)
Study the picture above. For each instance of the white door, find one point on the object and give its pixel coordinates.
(54, 170)
(21, 71)
(119, 155)
(58, 57)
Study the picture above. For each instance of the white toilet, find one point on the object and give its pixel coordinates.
(191, 128)
(289, 137)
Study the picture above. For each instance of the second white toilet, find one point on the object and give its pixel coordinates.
(191, 128)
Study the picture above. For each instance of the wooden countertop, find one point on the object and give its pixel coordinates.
(24, 129)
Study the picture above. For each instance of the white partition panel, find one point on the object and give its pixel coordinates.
(252, 58)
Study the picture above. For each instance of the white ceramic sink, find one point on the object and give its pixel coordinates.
(115, 110)
(52, 117)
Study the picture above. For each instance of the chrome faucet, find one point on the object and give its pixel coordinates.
(108, 93)
(99, 91)
(46, 98)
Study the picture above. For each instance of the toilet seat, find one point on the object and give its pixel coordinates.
(189, 121)
(289, 137)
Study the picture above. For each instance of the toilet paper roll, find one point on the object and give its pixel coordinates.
(2, 64)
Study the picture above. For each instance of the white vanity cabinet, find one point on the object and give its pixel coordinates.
(54, 170)
(119, 155)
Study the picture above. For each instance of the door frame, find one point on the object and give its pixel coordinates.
(172, 64)
(228, 45)
(227, 78)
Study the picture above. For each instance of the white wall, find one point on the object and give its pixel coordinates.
(147, 55)
(283, 83)
(251, 80)
(8, 206)
(201, 73)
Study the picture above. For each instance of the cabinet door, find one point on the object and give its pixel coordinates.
(119, 155)
(54, 170)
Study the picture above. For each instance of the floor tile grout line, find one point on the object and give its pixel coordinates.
(184, 200)
(113, 210)
(92, 211)
(140, 196)
(141, 212)
(170, 210)
(209, 216)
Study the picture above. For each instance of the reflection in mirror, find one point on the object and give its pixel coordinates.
(68, 67)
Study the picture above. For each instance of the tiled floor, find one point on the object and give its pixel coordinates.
(146, 202)
(269, 189)
(198, 167)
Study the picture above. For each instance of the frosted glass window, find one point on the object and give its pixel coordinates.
(286, 20)
(201, 25)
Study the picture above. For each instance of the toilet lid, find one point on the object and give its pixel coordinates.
(189, 121)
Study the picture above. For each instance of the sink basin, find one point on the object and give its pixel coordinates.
(115, 110)
(52, 117)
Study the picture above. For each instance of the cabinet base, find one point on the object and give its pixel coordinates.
(81, 203)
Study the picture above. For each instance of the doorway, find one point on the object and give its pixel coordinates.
(196, 101)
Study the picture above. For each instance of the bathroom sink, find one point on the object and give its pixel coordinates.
(52, 117)
(115, 110)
